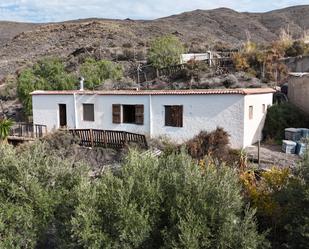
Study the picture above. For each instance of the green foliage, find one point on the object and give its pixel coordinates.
(165, 51)
(46, 74)
(96, 72)
(283, 116)
(5, 126)
(297, 48)
(164, 203)
(37, 197)
(281, 199)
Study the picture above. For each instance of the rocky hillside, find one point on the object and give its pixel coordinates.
(126, 39)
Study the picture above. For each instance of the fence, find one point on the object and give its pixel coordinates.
(26, 130)
(108, 139)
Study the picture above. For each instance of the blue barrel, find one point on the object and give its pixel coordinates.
(293, 134)
(305, 133)
(301, 149)
(289, 147)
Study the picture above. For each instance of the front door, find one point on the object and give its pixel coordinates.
(63, 115)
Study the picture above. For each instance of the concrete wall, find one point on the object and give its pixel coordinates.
(298, 64)
(253, 127)
(200, 112)
(298, 92)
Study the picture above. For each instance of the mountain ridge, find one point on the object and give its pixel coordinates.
(24, 43)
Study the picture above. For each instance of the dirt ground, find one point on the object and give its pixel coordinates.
(271, 155)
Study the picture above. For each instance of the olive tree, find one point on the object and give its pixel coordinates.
(165, 51)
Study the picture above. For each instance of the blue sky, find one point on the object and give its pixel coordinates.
(60, 10)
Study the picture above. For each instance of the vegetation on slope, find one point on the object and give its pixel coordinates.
(165, 51)
(281, 116)
(49, 200)
(52, 74)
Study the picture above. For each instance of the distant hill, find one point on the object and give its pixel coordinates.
(21, 43)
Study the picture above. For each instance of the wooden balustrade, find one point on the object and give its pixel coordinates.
(28, 130)
(108, 138)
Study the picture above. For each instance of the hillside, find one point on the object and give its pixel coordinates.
(21, 43)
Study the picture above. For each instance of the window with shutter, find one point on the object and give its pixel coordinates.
(139, 114)
(88, 112)
(174, 115)
(116, 114)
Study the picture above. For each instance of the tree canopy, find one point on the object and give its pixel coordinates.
(96, 72)
(165, 51)
(46, 74)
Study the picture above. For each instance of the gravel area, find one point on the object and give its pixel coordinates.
(271, 155)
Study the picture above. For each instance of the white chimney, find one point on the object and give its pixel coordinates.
(81, 83)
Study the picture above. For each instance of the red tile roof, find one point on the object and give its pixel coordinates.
(244, 91)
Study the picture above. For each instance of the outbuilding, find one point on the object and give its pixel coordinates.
(176, 114)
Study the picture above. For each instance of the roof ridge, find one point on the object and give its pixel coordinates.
(243, 91)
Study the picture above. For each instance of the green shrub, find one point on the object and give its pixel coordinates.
(296, 49)
(166, 202)
(46, 74)
(96, 72)
(37, 197)
(283, 116)
(5, 127)
(165, 51)
(281, 198)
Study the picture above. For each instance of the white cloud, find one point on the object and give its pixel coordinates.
(59, 10)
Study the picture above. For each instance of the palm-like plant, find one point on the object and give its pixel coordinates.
(5, 127)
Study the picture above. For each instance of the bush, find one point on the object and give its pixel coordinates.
(281, 199)
(164, 203)
(46, 74)
(5, 127)
(37, 197)
(96, 72)
(296, 49)
(213, 144)
(165, 51)
(283, 116)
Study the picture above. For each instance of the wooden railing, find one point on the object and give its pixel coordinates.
(26, 130)
(107, 138)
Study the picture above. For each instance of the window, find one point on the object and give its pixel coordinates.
(131, 114)
(174, 115)
(250, 112)
(88, 112)
(263, 108)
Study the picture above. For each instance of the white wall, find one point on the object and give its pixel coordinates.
(46, 110)
(254, 127)
(200, 112)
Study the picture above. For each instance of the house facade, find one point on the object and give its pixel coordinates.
(176, 114)
(298, 90)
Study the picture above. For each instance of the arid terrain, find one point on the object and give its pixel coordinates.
(22, 43)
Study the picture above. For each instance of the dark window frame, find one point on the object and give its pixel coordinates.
(173, 115)
(128, 114)
(88, 114)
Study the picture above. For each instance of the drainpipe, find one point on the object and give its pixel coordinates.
(150, 116)
(75, 110)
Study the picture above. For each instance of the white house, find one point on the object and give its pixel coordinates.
(177, 114)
